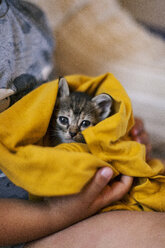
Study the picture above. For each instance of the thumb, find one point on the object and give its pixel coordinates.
(97, 184)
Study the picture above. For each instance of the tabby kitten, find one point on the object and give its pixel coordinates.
(74, 112)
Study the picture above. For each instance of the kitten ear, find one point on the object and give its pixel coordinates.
(103, 103)
(63, 88)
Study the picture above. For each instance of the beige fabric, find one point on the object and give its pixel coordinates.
(5, 93)
(148, 11)
(95, 36)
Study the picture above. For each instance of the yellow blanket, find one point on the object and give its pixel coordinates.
(47, 171)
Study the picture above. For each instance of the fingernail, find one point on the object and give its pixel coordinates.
(106, 172)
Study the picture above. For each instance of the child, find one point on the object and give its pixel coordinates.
(26, 49)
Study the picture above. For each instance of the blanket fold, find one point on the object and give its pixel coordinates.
(66, 168)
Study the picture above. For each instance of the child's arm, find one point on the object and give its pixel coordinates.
(22, 221)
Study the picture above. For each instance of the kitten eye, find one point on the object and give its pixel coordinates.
(63, 120)
(85, 124)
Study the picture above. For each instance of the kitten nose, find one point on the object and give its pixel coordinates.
(72, 134)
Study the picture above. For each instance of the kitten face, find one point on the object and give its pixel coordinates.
(75, 112)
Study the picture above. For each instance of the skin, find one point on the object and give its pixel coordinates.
(22, 221)
(111, 230)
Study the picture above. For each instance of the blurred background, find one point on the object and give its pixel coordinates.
(124, 37)
(149, 12)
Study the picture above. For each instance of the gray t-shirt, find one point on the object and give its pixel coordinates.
(26, 50)
(26, 55)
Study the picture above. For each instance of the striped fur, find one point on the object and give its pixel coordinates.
(75, 112)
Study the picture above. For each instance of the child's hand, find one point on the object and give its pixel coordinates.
(23, 221)
(96, 195)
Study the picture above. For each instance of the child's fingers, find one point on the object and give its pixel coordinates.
(127, 182)
(115, 192)
(97, 184)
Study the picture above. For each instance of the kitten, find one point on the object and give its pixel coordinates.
(75, 112)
